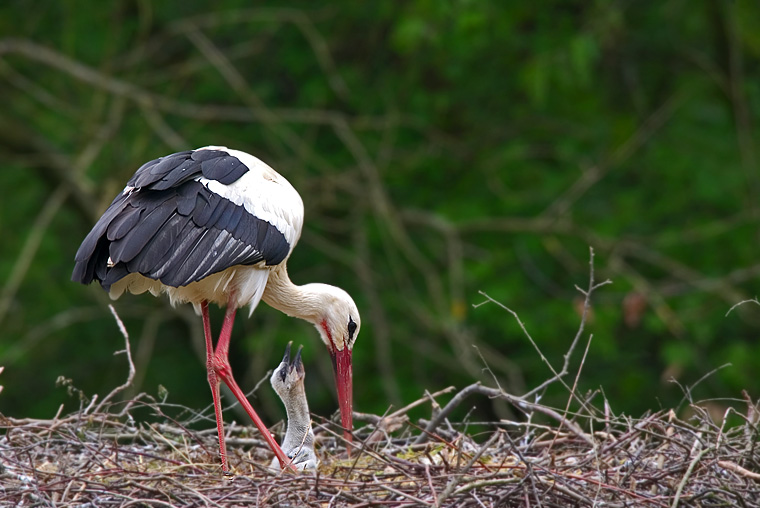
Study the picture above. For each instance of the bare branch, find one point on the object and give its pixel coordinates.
(128, 351)
(751, 300)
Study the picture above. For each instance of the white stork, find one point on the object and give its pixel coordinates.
(218, 225)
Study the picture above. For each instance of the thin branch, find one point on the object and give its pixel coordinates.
(736, 468)
(558, 376)
(686, 476)
(477, 388)
(457, 479)
(128, 351)
(572, 391)
(751, 300)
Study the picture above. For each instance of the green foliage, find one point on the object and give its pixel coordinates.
(441, 148)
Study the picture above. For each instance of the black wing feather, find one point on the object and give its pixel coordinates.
(168, 226)
(225, 169)
(170, 266)
(205, 203)
(152, 219)
(178, 168)
(204, 155)
(218, 212)
(195, 255)
(147, 261)
(123, 223)
(180, 174)
(232, 218)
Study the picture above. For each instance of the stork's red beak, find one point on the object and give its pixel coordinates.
(345, 385)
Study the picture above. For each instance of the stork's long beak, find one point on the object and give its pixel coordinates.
(345, 386)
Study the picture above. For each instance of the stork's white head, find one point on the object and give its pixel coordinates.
(338, 323)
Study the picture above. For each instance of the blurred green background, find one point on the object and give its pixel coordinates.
(442, 148)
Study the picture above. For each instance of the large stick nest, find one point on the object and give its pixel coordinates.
(106, 458)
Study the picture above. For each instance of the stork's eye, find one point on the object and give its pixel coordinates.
(351, 328)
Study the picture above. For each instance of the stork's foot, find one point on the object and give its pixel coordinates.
(303, 459)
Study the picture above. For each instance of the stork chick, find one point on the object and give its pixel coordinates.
(298, 443)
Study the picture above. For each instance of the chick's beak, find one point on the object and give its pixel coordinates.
(344, 384)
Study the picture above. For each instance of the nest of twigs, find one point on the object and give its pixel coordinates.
(105, 458)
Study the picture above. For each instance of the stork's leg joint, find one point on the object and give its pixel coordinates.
(219, 367)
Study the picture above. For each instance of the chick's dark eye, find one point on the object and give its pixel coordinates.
(351, 328)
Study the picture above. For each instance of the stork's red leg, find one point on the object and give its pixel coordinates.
(213, 382)
(221, 366)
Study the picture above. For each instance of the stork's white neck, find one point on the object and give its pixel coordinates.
(304, 302)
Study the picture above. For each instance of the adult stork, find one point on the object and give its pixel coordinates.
(215, 225)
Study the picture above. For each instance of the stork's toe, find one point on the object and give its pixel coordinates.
(305, 460)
